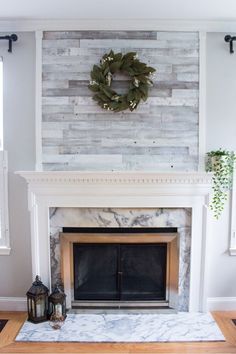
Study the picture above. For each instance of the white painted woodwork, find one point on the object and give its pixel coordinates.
(123, 190)
(148, 10)
(4, 218)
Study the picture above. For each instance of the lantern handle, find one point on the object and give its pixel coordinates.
(37, 280)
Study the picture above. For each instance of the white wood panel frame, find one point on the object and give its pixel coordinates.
(121, 190)
(4, 222)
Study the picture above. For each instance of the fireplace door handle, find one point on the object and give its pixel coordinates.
(120, 274)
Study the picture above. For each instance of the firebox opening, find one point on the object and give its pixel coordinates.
(120, 267)
(124, 272)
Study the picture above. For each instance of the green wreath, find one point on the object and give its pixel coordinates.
(101, 80)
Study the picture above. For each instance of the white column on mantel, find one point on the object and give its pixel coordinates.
(121, 190)
(196, 248)
(206, 242)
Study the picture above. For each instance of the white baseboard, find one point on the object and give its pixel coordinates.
(213, 304)
(221, 303)
(13, 304)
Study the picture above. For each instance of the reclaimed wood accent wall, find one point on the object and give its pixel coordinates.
(161, 135)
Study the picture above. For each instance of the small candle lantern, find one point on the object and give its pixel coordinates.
(37, 301)
(57, 303)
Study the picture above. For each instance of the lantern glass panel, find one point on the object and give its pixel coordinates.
(40, 307)
(58, 309)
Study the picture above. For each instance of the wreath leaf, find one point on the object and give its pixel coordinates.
(115, 66)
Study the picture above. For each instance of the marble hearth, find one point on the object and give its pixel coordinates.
(122, 199)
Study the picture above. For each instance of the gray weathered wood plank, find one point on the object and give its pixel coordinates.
(103, 35)
(162, 134)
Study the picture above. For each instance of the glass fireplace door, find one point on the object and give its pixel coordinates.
(95, 272)
(143, 272)
(123, 272)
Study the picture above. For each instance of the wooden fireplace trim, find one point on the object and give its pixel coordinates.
(172, 240)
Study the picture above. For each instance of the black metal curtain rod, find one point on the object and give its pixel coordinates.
(229, 39)
(10, 38)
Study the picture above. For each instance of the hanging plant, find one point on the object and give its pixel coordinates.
(102, 76)
(221, 163)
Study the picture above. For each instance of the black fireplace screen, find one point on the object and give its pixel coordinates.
(120, 271)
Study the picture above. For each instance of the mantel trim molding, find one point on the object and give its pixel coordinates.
(77, 177)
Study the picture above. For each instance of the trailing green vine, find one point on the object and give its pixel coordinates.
(221, 163)
(102, 75)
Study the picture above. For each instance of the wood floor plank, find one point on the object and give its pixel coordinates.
(174, 348)
(8, 345)
(12, 327)
(228, 328)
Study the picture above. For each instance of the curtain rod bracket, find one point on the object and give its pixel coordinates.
(10, 38)
(229, 39)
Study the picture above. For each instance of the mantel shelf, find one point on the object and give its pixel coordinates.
(116, 178)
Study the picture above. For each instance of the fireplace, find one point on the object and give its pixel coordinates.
(122, 199)
(120, 268)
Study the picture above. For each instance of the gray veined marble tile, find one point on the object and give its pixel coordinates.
(115, 217)
(181, 327)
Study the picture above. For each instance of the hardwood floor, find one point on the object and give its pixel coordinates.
(16, 319)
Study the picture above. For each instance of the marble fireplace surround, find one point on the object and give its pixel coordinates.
(61, 255)
(132, 190)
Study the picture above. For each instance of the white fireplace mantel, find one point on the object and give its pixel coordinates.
(121, 190)
(77, 177)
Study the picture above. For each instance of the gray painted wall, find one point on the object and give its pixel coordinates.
(162, 134)
(19, 141)
(19, 130)
(221, 132)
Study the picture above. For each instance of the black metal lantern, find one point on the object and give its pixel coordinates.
(37, 302)
(57, 303)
